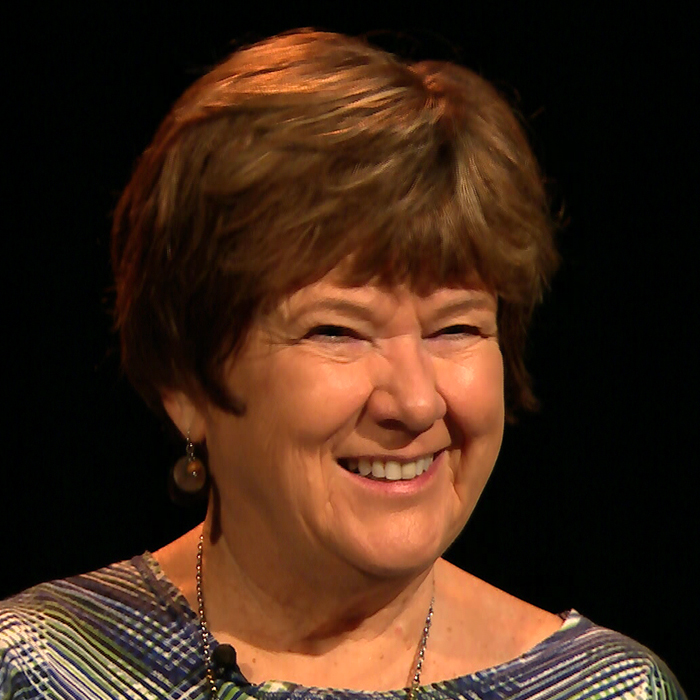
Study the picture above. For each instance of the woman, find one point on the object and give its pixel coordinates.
(325, 265)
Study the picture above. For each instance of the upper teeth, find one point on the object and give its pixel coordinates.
(390, 470)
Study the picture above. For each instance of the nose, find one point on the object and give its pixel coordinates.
(406, 390)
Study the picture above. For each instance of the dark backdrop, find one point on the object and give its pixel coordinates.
(593, 501)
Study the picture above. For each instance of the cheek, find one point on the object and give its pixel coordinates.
(317, 400)
(474, 394)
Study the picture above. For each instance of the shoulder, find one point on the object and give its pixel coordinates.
(583, 654)
(51, 628)
(102, 629)
(478, 626)
(532, 652)
(112, 595)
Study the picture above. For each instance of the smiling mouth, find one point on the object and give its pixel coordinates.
(387, 470)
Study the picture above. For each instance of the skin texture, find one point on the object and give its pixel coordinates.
(306, 562)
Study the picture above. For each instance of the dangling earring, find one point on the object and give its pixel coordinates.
(188, 483)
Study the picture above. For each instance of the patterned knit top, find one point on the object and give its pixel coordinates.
(126, 631)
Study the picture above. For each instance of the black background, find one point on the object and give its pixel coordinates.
(593, 501)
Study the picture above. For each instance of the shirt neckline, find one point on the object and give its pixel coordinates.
(169, 592)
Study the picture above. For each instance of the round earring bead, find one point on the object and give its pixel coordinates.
(189, 475)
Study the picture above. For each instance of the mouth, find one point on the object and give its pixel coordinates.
(387, 469)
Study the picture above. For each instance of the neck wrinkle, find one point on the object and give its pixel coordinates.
(313, 616)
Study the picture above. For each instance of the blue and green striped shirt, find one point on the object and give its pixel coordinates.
(125, 631)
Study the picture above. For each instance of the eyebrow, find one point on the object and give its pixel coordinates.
(365, 311)
(479, 303)
(352, 308)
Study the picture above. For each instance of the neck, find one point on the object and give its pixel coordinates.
(316, 607)
(303, 629)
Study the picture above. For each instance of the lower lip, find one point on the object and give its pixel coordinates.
(400, 486)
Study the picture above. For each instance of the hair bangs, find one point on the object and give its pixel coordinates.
(309, 153)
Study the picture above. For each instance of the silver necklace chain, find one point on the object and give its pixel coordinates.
(203, 626)
(206, 647)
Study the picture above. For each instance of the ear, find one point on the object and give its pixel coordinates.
(187, 415)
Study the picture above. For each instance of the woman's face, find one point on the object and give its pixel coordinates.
(340, 380)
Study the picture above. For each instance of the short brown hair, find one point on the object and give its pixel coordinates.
(303, 151)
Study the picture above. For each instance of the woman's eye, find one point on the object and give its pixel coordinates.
(457, 330)
(331, 332)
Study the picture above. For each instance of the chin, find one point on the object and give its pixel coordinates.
(399, 556)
